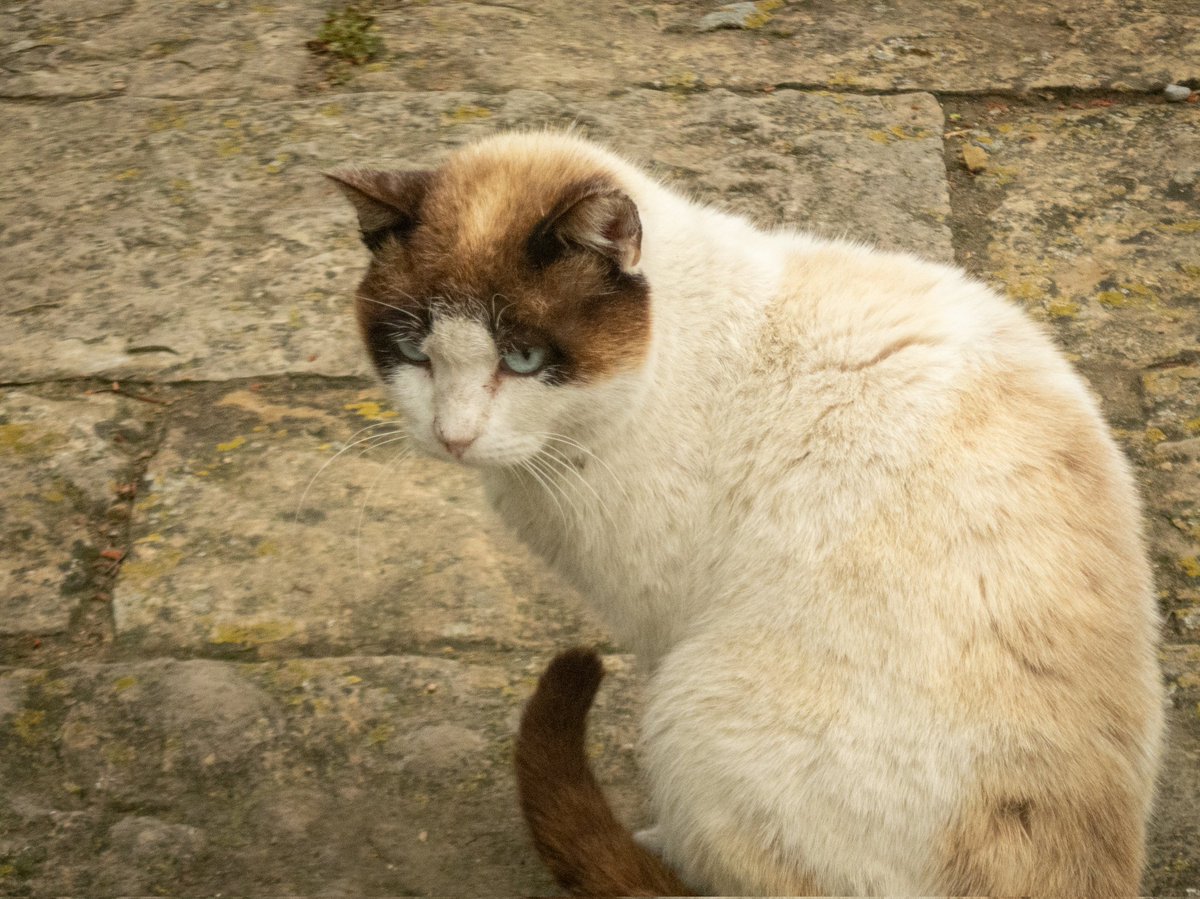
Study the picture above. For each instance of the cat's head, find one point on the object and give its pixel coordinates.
(503, 305)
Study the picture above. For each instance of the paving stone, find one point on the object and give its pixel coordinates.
(205, 245)
(1096, 230)
(233, 555)
(1173, 867)
(966, 46)
(349, 776)
(61, 460)
(150, 48)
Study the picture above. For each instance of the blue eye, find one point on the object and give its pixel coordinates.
(410, 351)
(525, 362)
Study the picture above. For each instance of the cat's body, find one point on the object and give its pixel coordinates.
(859, 516)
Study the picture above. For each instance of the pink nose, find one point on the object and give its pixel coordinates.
(455, 444)
(456, 448)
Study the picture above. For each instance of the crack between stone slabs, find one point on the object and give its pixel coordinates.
(1015, 97)
(304, 379)
(453, 649)
(90, 631)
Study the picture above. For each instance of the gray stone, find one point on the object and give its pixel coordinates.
(156, 49)
(234, 555)
(970, 47)
(370, 782)
(61, 460)
(438, 749)
(1176, 93)
(205, 244)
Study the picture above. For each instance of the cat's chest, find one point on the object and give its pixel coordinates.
(630, 537)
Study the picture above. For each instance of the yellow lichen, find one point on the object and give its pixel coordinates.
(1024, 290)
(153, 566)
(371, 411)
(380, 734)
(252, 634)
(1062, 309)
(1190, 566)
(28, 724)
(122, 684)
(231, 445)
(118, 753)
(465, 113)
(1155, 435)
(682, 81)
(1185, 227)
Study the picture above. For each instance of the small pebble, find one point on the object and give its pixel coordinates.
(1176, 93)
(975, 158)
(423, 836)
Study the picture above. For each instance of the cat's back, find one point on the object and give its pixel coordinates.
(941, 539)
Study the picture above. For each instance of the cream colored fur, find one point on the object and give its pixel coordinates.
(870, 536)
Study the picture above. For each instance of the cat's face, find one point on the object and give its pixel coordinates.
(502, 306)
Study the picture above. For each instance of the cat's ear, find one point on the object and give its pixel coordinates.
(598, 218)
(387, 203)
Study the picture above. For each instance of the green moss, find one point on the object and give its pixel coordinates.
(349, 35)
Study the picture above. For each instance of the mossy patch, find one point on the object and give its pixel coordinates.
(349, 35)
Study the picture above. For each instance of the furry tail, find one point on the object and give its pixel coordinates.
(587, 850)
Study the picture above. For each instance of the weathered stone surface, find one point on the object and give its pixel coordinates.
(234, 555)
(349, 776)
(1096, 230)
(964, 46)
(58, 48)
(61, 460)
(205, 245)
(1174, 838)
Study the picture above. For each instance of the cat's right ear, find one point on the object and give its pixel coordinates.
(388, 203)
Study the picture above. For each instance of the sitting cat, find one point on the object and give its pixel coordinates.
(860, 519)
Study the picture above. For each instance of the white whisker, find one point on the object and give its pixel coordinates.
(524, 465)
(362, 511)
(353, 443)
(553, 480)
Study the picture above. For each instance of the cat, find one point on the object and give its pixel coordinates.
(856, 514)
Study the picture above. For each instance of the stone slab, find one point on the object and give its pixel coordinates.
(1094, 225)
(61, 461)
(355, 776)
(247, 544)
(966, 46)
(205, 245)
(1173, 847)
(56, 49)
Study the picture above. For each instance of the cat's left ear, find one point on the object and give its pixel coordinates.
(388, 203)
(598, 218)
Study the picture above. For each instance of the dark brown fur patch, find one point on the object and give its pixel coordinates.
(495, 235)
(586, 849)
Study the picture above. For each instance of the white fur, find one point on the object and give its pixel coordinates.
(784, 515)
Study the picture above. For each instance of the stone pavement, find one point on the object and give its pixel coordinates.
(245, 645)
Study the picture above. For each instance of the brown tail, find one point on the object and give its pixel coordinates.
(587, 850)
